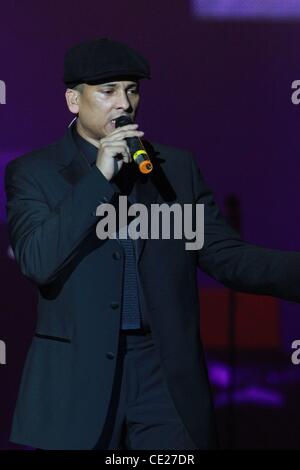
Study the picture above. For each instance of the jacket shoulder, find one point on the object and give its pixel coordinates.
(170, 151)
(177, 160)
(31, 161)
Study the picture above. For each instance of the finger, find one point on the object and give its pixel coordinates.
(122, 128)
(123, 135)
(119, 144)
(126, 153)
(128, 126)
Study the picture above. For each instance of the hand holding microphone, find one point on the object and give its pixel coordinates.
(114, 151)
(123, 141)
(136, 148)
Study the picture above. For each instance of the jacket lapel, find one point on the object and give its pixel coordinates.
(72, 164)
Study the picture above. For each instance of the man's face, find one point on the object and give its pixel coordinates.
(98, 105)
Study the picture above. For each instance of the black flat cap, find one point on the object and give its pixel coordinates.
(98, 60)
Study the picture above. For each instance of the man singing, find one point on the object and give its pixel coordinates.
(116, 361)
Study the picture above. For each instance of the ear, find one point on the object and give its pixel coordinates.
(72, 98)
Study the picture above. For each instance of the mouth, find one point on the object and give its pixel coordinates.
(112, 122)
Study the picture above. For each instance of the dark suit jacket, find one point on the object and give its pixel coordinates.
(52, 196)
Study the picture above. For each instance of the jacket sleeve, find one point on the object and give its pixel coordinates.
(240, 265)
(44, 240)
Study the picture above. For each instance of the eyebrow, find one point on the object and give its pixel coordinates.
(114, 84)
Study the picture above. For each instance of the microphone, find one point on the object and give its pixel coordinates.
(136, 148)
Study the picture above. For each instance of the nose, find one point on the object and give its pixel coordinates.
(123, 101)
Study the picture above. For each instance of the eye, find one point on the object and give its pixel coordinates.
(134, 91)
(107, 92)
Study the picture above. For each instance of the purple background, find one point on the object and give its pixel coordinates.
(219, 89)
(247, 8)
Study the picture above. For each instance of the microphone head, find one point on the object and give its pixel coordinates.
(123, 121)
